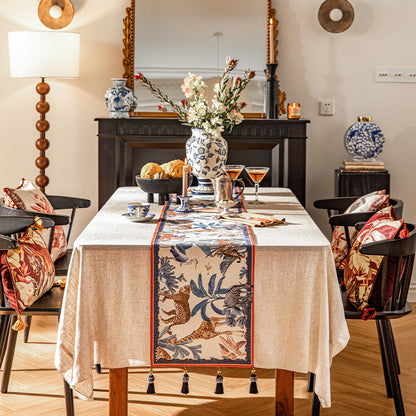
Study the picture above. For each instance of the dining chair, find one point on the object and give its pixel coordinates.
(49, 304)
(398, 263)
(59, 203)
(335, 208)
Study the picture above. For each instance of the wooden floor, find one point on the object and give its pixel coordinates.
(357, 382)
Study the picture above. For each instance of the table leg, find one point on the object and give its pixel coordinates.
(284, 396)
(118, 392)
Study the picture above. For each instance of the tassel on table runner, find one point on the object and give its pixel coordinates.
(185, 382)
(151, 383)
(219, 389)
(253, 382)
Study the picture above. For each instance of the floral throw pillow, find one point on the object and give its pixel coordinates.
(27, 272)
(360, 271)
(27, 196)
(371, 202)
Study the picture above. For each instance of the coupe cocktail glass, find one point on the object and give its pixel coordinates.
(233, 171)
(256, 174)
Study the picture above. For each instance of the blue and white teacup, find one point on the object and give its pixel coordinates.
(138, 209)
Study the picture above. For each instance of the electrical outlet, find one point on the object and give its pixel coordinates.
(327, 107)
(398, 74)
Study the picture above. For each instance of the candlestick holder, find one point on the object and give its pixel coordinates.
(271, 93)
(184, 207)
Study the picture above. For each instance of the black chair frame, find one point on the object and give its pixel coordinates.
(401, 251)
(49, 304)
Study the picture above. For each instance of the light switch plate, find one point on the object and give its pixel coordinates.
(383, 74)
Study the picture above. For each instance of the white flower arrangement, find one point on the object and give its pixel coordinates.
(223, 113)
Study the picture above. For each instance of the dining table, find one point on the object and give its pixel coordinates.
(298, 323)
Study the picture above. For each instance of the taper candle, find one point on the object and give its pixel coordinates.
(271, 35)
(185, 178)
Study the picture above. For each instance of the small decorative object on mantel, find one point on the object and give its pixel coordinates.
(119, 99)
(351, 166)
(293, 111)
(364, 140)
(207, 150)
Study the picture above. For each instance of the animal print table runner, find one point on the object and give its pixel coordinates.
(202, 312)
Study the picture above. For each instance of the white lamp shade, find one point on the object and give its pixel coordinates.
(44, 54)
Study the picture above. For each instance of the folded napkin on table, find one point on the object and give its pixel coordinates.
(257, 220)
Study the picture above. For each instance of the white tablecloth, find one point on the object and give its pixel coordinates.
(299, 321)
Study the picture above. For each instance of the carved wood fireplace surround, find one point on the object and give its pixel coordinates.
(125, 145)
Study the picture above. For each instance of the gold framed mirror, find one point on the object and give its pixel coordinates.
(148, 27)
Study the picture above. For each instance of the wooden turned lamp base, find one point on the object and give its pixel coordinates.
(42, 126)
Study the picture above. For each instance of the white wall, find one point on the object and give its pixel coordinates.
(74, 103)
(313, 64)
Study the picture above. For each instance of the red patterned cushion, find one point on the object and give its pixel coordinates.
(375, 299)
(27, 196)
(27, 272)
(361, 270)
(371, 202)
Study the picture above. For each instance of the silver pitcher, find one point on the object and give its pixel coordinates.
(223, 191)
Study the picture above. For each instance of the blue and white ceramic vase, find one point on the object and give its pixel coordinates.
(207, 154)
(119, 99)
(364, 140)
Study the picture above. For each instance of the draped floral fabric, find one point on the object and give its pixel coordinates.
(27, 272)
(361, 270)
(27, 196)
(373, 201)
(202, 289)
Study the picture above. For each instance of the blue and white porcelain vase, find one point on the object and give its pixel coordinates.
(119, 99)
(364, 140)
(207, 154)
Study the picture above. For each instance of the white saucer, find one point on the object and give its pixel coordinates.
(134, 218)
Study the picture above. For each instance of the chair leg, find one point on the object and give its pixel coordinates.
(69, 400)
(28, 321)
(396, 357)
(316, 405)
(311, 382)
(392, 369)
(11, 345)
(383, 359)
(4, 336)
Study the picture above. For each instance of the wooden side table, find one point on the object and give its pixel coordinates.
(349, 183)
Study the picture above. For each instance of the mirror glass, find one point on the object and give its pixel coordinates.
(175, 37)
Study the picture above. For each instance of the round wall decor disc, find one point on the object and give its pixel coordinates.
(336, 26)
(59, 22)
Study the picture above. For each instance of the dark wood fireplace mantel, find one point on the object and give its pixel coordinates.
(125, 145)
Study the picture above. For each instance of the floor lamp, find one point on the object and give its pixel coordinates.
(43, 55)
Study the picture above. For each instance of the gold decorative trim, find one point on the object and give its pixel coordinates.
(169, 114)
(128, 43)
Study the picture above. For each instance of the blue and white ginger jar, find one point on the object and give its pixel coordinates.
(119, 99)
(207, 154)
(364, 140)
